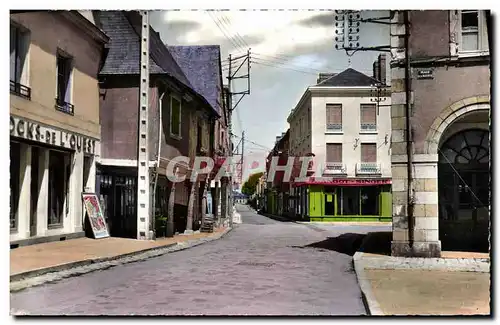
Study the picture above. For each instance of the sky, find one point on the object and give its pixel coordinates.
(288, 51)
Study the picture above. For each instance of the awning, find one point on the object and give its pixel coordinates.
(344, 181)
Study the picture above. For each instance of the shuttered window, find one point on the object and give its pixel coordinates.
(368, 117)
(334, 152)
(334, 117)
(368, 153)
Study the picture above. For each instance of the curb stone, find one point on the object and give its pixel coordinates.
(371, 304)
(60, 272)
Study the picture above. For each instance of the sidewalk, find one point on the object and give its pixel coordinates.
(458, 283)
(34, 260)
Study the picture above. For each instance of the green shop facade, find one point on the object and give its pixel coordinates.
(345, 199)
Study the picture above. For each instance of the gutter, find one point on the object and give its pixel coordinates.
(160, 129)
(409, 140)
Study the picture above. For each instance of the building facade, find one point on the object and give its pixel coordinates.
(55, 132)
(181, 123)
(344, 123)
(440, 131)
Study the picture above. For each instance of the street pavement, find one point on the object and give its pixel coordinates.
(262, 267)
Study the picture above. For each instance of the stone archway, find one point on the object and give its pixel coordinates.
(460, 138)
(449, 115)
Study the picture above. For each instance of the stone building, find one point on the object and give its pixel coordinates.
(180, 123)
(344, 123)
(440, 131)
(55, 132)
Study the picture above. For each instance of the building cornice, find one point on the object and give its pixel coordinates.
(85, 25)
(305, 96)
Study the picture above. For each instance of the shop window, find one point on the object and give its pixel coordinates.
(58, 179)
(15, 155)
(348, 201)
(370, 200)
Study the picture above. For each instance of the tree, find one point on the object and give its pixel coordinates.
(250, 185)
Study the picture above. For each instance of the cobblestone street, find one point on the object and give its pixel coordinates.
(262, 267)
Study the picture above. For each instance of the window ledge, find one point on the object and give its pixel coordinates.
(176, 137)
(340, 132)
(471, 54)
(368, 132)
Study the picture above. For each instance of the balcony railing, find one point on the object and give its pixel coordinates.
(64, 107)
(334, 127)
(368, 168)
(20, 90)
(368, 127)
(335, 168)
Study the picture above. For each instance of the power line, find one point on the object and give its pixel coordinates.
(282, 67)
(238, 36)
(224, 33)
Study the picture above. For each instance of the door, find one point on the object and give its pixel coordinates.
(329, 202)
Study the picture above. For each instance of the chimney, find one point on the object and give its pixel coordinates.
(376, 69)
(382, 68)
(324, 75)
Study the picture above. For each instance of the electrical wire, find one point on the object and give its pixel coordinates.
(224, 33)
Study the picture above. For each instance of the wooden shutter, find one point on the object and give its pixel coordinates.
(368, 114)
(333, 114)
(334, 153)
(13, 53)
(368, 152)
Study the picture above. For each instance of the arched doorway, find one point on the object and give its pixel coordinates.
(463, 180)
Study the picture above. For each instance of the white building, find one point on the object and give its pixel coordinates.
(345, 122)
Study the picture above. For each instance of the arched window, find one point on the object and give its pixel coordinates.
(470, 146)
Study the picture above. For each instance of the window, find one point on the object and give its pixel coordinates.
(333, 153)
(58, 186)
(19, 43)
(368, 152)
(334, 117)
(473, 30)
(64, 69)
(175, 117)
(15, 155)
(368, 117)
(470, 30)
(369, 200)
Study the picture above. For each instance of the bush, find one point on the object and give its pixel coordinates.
(161, 225)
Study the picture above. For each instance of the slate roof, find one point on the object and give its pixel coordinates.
(349, 78)
(201, 65)
(123, 29)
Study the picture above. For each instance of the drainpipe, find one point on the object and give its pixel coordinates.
(409, 140)
(153, 227)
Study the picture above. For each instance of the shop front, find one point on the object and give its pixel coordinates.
(49, 170)
(348, 199)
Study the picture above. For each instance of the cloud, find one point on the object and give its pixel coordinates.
(185, 25)
(321, 20)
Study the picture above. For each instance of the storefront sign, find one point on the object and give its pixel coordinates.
(344, 182)
(94, 213)
(40, 133)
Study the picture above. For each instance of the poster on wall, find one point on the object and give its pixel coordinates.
(94, 213)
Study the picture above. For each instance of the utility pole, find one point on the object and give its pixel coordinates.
(143, 185)
(242, 157)
(231, 77)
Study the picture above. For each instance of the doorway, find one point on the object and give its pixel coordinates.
(464, 185)
(329, 201)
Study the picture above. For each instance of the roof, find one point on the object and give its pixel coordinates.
(349, 78)
(201, 65)
(123, 29)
